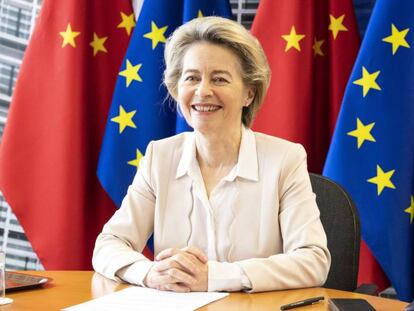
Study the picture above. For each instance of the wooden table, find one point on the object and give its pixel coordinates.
(72, 287)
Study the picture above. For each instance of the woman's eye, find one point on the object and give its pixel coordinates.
(220, 80)
(190, 78)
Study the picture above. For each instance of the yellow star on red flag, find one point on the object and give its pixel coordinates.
(292, 39)
(98, 44)
(317, 47)
(336, 25)
(128, 22)
(69, 36)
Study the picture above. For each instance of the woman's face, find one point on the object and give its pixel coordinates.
(211, 93)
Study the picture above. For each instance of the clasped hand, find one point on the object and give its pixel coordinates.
(179, 270)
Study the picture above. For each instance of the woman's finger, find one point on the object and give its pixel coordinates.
(168, 252)
(199, 254)
(171, 276)
(181, 261)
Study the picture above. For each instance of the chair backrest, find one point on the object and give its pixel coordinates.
(340, 220)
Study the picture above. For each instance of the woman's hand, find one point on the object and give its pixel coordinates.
(179, 270)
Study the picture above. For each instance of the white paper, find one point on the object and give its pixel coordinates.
(140, 298)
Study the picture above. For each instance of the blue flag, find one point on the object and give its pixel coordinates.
(372, 151)
(140, 112)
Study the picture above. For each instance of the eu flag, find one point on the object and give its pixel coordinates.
(372, 152)
(140, 111)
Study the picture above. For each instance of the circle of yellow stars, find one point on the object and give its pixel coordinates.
(131, 73)
(362, 133)
(397, 39)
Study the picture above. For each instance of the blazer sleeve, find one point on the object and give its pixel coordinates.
(305, 260)
(125, 235)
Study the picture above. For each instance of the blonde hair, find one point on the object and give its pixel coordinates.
(227, 33)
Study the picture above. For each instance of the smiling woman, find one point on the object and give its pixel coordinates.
(211, 93)
(251, 62)
(229, 209)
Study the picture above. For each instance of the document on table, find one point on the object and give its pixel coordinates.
(140, 298)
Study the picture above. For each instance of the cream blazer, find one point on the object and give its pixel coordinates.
(276, 236)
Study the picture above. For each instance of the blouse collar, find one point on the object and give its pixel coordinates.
(246, 166)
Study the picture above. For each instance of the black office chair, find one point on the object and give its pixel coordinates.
(340, 220)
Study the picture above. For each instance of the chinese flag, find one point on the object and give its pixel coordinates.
(311, 47)
(51, 143)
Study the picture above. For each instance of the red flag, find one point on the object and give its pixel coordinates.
(310, 68)
(51, 143)
(311, 47)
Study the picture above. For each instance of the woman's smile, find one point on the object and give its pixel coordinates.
(211, 92)
(205, 107)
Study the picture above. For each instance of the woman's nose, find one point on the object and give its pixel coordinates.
(203, 89)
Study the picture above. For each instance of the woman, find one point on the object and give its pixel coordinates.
(230, 209)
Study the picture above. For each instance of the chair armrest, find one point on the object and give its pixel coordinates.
(367, 289)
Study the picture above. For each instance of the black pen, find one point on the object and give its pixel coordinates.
(305, 302)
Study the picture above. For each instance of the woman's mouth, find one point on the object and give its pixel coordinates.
(205, 107)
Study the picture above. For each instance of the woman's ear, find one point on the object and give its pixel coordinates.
(251, 93)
